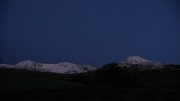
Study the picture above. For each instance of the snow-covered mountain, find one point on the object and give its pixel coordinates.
(136, 62)
(132, 63)
(64, 67)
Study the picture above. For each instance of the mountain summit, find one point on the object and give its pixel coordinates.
(63, 67)
(140, 63)
(137, 60)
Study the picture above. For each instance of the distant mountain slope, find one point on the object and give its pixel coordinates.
(64, 67)
(138, 60)
(166, 77)
(139, 63)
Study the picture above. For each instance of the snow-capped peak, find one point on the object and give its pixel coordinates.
(25, 63)
(140, 63)
(136, 60)
(63, 67)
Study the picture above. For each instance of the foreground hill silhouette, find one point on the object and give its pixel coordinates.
(109, 83)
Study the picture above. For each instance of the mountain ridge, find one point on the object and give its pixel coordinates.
(63, 67)
(130, 63)
(139, 63)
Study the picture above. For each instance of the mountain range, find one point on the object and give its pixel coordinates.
(131, 63)
(64, 67)
(131, 79)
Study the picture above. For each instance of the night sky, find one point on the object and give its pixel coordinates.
(92, 32)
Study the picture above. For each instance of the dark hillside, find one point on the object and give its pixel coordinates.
(109, 83)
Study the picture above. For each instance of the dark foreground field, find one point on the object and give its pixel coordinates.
(106, 84)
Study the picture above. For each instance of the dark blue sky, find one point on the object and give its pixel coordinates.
(89, 31)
